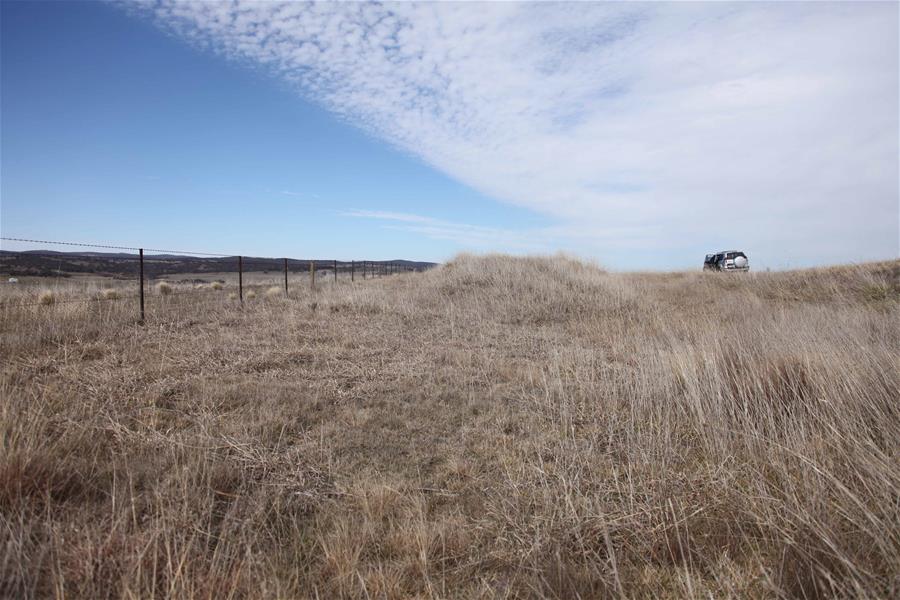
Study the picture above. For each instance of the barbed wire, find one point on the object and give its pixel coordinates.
(319, 263)
(108, 247)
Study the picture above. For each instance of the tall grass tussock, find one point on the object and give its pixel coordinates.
(496, 427)
(46, 298)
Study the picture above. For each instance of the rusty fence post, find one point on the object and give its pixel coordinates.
(335, 271)
(312, 275)
(241, 278)
(352, 270)
(285, 278)
(142, 284)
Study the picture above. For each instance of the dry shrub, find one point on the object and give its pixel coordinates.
(250, 295)
(217, 285)
(164, 288)
(46, 298)
(110, 294)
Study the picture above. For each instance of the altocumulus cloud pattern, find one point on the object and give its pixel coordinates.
(632, 127)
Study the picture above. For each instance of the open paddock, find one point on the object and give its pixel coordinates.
(496, 427)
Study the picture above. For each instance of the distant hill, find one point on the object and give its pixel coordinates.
(124, 265)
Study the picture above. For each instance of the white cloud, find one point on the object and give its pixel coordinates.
(767, 126)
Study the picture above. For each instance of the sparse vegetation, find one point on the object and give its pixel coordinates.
(275, 292)
(217, 285)
(497, 427)
(250, 295)
(164, 288)
(110, 294)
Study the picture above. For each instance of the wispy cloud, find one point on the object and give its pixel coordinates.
(298, 194)
(477, 237)
(388, 216)
(772, 126)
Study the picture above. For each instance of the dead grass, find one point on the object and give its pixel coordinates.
(497, 427)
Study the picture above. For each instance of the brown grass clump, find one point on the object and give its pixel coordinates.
(46, 298)
(216, 285)
(250, 295)
(275, 292)
(497, 428)
(164, 288)
(110, 294)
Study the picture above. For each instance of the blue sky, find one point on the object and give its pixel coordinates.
(641, 136)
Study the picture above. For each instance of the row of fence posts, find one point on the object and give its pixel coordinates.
(367, 267)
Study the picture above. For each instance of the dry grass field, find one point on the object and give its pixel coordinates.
(494, 428)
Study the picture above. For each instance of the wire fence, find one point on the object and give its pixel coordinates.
(128, 274)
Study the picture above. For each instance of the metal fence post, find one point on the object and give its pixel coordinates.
(142, 284)
(285, 278)
(241, 278)
(352, 270)
(312, 275)
(335, 271)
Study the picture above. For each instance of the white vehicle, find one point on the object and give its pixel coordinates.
(727, 260)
